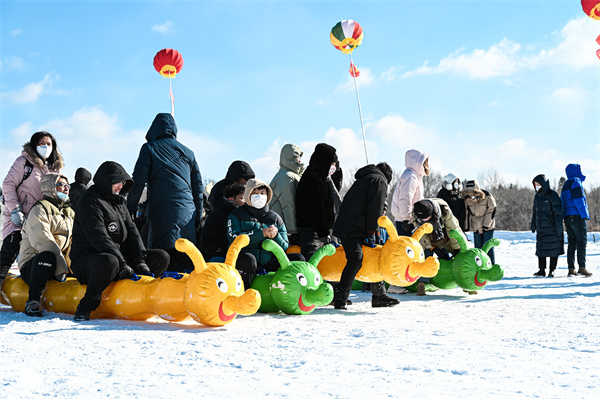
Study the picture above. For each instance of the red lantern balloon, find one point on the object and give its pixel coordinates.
(591, 8)
(168, 62)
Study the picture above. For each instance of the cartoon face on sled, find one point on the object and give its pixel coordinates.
(297, 287)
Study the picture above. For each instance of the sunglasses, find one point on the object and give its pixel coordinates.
(65, 185)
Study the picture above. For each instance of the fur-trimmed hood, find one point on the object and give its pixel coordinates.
(31, 154)
(256, 183)
(472, 190)
(48, 184)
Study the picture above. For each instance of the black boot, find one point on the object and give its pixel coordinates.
(340, 296)
(33, 308)
(380, 298)
(81, 315)
(540, 273)
(551, 274)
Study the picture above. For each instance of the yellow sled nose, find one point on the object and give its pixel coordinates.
(245, 304)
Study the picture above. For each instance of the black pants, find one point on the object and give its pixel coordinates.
(309, 241)
(542, 262)
(98, 270)
(9, 252)
(354, 258)
(248, 267)
(37, 272)
(179, 261)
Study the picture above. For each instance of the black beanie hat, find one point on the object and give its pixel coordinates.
(386, 170)
(423, 209)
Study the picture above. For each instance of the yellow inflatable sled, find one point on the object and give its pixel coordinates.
(213, 294)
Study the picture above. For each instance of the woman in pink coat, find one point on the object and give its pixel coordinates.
(22, 189)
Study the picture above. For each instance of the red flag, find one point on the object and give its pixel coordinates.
(354, 72)
(598, 53)
(598, 39)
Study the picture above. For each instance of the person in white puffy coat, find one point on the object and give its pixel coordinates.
(409, 189)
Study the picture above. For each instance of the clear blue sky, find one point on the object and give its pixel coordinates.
(510, 85)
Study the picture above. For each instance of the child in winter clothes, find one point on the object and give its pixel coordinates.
(481, 214)
(21, 189)
(47, 233)
(547, 222)
(576, 214)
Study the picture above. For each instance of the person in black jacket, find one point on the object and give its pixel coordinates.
(213, 242)
(174, 205)
(546, 221)
(356, 225)
(82, 179)
(314, 200)
(238, 172)
(106, 243)
(450, 192)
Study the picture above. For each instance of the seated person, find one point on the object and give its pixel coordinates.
(256, 220)
(46, 240)
(105, 239)
(437, 212)
(213, 241)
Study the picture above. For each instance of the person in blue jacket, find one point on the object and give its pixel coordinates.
(576, 213)
(174, 204)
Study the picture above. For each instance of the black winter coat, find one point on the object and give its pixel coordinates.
(236, 171)
(363, 204)
(82, 178)
(174, 185)
(457, 205)
(547, 220)
(314, 203)
(103, 223)
(213, 241)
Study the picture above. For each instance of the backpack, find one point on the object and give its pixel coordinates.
(28, 169)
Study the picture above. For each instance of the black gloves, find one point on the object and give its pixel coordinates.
(407, 225)
(142, 268)
(125, 272)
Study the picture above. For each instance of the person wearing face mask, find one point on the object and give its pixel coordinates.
(21, 189)
(284, 185)
(450, 193)
(106, 244)
(82, 179)
(546, 222)
(213, 241)
(256, 220)
(314, 200)
(46, 240)
(481, 214)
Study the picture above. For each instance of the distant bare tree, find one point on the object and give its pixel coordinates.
(432, 184)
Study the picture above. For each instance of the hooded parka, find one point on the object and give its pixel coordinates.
(572, 194)
(363, 204)
(314, 201)
(82, 179)
(102, 222)
(284, 185)
(236, 171)
(174, 185)
(481, 208)
(546, 220)
(410, 186)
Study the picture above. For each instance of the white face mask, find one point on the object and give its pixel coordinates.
(258, 200)
(44, 151)
(537, 188)
(331, 170)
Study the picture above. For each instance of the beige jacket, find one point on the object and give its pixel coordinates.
(48, 228)
(481, 208)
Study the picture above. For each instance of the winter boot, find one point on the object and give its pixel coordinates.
(380, 299)
(421, 289)
(540, 273)
(551, 274)
(572, 273)
(340, 297)
(81, 315)
(33, 308)
(335, 284)
(583, 271)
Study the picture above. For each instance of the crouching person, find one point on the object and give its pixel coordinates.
(256, 220)
(46, 240)
(106, 244)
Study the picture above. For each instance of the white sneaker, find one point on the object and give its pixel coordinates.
(394, 289)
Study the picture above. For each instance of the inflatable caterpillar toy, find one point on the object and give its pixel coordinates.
(212, 294)
(297, 287)
(470, 270)
(400, 261)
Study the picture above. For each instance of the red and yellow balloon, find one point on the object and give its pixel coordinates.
(168, 62)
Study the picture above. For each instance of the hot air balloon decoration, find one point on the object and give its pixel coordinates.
(168, 63)
(346, 36)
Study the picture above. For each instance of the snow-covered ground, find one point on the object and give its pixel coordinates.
(520, 337)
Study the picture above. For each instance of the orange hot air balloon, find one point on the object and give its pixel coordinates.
(168, 62)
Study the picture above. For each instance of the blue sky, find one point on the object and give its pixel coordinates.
(508, 85)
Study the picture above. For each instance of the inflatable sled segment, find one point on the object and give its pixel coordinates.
(470, 269)
(297, 286)
(400, 261)
(212, 294)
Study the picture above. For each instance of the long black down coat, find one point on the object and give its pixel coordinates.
(547, 220)
(314, 203)
(362, 204)
(174, 185)
(103, 223)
